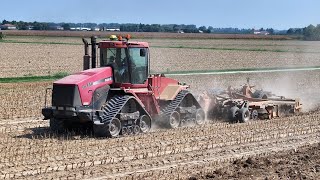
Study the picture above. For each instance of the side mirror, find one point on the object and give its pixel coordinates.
(142, 52)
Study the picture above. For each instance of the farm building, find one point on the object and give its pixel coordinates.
(8, 27)
(261, 32)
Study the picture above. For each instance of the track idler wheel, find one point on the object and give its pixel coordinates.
(200, 117)
(124, 131)
(108, 130)
(144, 123)
(174, 120)
(130, 130)
(136, 129)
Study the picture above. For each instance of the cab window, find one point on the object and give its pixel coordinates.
(117, 59)
(138, 65)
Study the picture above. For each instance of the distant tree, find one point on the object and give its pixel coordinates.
(312, 33)
(66, 26)
(270, 30)
(176, 28)
(210, 29)
(140, 27)
(129, 27)
(203, 28)
(22, 25)
(189, 28)
(5, 22)
(40, 26)
(168, 28)
(299, 31)
(290, 31)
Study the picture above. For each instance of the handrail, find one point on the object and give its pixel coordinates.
(45, 100)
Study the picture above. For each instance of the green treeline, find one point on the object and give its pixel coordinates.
(310, 33)
(132, 27)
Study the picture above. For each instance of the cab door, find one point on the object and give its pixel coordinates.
(138, 65)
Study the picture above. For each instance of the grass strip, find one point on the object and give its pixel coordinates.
(37, 42)
(63, 74)
(32, 78)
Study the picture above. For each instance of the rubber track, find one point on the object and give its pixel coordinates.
(114, 106)
(168, 110)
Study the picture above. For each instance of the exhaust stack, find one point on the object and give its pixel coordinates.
(93, 51)
(86, 57)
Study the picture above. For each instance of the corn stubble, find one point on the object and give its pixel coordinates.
(32, 151)
(29, 150)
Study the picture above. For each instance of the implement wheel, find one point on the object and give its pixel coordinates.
(244, 115)
(200, 117)
(233, 114)
(254, 115)
(174, 120)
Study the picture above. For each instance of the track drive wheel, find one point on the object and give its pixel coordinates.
(144, 123)
(244, 115)
(108, 130)
(57, 125)
(200, 117)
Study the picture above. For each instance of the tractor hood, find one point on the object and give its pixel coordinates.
(85, 82)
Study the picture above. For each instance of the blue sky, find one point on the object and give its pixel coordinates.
(278, 14)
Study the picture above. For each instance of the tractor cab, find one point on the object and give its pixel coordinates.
(129, 60)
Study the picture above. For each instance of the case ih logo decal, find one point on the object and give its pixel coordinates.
(97, 82)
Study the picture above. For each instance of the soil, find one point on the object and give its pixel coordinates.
(302, 163)
(216, 150)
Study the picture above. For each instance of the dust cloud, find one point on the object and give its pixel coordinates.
(294, 84)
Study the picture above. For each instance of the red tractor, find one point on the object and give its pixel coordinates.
(120, 96)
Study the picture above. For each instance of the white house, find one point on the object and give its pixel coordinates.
(80, 29)
(112, 29)
(257, 32)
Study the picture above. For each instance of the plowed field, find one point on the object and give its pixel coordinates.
(31, 56)
(31, 151)
(282, 148)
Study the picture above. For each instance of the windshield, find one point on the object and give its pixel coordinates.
(129, 65)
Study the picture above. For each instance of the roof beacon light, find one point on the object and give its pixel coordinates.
(128, 36)
(113, 38)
